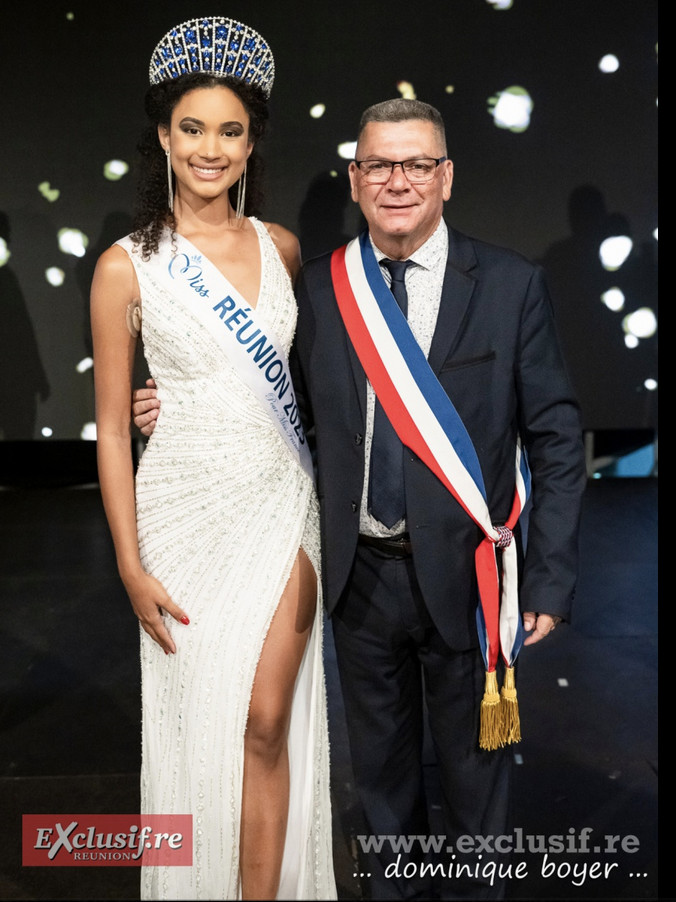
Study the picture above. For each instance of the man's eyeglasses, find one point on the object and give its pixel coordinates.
(377, 172)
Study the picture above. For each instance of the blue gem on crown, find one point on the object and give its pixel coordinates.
(217, 46)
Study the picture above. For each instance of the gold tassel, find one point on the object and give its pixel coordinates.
(490, 732)
(511, 725)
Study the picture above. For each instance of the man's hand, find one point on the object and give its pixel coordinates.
(539, 626)
(145, 407)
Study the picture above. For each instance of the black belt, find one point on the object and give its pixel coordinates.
(396, 546)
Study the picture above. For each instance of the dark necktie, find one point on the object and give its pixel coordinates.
(386, 474)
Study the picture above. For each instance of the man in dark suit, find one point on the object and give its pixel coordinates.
(402, 595)
(399, 579)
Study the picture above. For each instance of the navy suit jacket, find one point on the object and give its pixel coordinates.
(496, 354)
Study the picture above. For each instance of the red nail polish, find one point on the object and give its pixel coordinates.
(185, 620)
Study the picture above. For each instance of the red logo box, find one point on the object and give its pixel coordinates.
(106, 840)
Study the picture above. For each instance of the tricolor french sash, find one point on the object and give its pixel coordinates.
(427, 422)
(247, 341)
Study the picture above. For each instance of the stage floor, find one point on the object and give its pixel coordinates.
(69, 702)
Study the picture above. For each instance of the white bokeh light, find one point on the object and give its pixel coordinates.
(317, 111)
(114, 170)
(406, 90)
(55, 276)
(73, 241)
(88, 432)
(49, 193)
(614, 251)
(85, 364)
(500, 4)
(511, 108)
(613, 299)
(650, 384)
(5, 252)
(347, 150)
(47, 431)
(609, 63)
(642, 323)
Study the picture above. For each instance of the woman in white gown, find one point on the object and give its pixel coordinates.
(217, 538)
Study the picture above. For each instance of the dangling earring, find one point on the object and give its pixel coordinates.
(170, 182)
(241, 194)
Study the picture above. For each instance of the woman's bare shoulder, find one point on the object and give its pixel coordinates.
(115, 274)
(114, 259)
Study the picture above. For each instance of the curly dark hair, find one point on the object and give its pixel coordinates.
(152, 208)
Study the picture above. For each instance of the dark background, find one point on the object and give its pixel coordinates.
(69, 675)
(76, 73)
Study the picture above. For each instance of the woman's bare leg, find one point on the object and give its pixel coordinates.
(265, 791)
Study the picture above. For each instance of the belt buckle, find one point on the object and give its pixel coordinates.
(401, 543)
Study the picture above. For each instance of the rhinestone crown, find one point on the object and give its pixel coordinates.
(218, 46)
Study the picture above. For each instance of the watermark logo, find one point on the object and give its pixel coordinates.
(117, 840)
(575, 857)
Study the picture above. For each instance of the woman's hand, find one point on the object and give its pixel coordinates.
(149, 599)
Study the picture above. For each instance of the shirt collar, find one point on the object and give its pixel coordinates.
(428, 254)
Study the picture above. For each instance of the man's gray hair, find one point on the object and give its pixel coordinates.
(401, 109)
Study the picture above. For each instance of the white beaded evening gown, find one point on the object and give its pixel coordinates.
(222, 510)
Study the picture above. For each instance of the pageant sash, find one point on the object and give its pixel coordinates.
(427, 422)
(248, 342)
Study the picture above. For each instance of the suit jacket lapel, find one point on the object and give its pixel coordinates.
(456, 294)
(358, 375)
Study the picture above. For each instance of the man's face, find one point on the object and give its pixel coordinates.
(399, 214)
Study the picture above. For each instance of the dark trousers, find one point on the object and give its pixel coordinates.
(392, 661)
